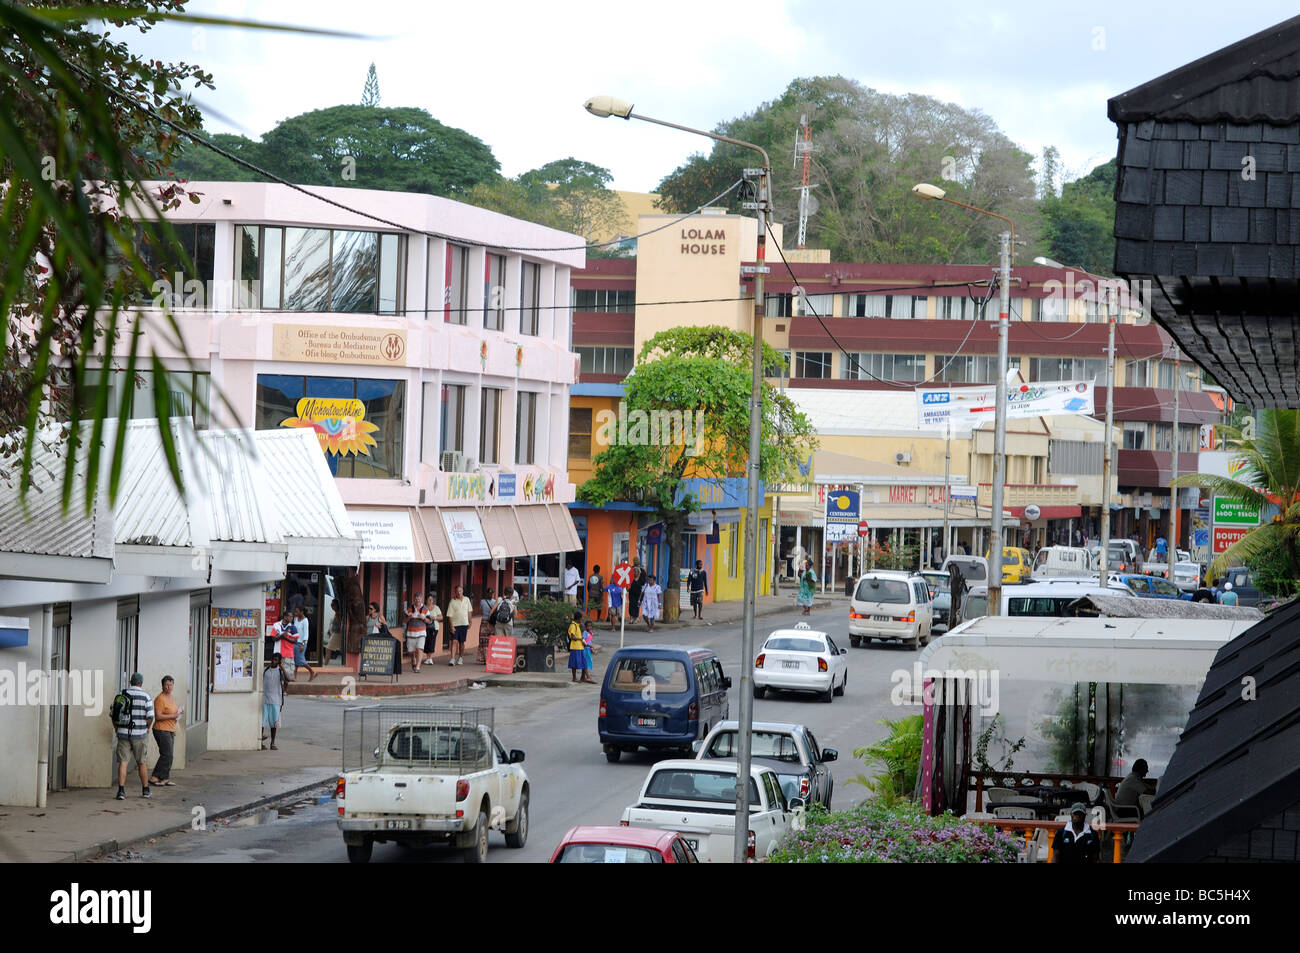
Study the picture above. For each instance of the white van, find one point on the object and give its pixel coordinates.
(890, 606)
(1047, 598)
(1061, 561)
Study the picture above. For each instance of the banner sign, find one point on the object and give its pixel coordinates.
(842, 515)
(963, 408)
(465, 533)
(1225, 536)
(1234, 513)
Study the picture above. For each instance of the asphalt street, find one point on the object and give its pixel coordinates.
(570, 779)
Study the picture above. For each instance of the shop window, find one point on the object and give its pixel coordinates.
(359, 421)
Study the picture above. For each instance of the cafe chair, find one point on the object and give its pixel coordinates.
(1122, 813)
(999, 795)
(1146, 802)
(1014, 814)
(1094, 790)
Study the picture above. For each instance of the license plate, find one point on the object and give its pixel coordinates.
(397, 825)
(647, 722)
(792, 665)
(882, 618)
(692, 842)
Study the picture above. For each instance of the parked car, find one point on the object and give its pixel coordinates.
(660, 696)
(1053, 561)
(802, 660)
(1151, 587)
(622, 845)
(1049, 597)
(974, 569)
(698, 799)
(890, 606)
(937, 580)
(1123, 556)
(440, 775)
(789, 750)
(1017, 565)
(939, 612)
(1187, 576)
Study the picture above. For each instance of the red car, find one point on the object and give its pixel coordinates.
(623, 845)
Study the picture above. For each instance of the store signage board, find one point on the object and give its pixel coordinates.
(1225, 536)
(385, 535)
(963, 408)
(330, 344)
(843, 511)
(1235, 513)
(465, 533)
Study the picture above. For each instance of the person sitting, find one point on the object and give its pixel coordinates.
(1128, 791)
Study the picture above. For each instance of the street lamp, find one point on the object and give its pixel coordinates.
(925, 191)
(605, 106)
(1173, 490)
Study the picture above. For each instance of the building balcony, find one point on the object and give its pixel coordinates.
(1054, 500)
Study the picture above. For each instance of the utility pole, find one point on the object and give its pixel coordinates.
(1106, 458)
(1172, 558)
(1000, 429)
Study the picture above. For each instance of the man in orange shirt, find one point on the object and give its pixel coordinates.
(165, 713)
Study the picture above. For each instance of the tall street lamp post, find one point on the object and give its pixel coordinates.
(605, 106)
(1008, 239)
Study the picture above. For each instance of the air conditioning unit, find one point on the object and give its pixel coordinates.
(902, 457)
(452, 461)
(468, 464)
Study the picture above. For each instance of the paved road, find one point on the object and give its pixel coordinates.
(571, 781)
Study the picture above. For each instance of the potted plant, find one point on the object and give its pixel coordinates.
(548, 621)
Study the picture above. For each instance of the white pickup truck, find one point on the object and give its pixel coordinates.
(439, 776)
(698, 799)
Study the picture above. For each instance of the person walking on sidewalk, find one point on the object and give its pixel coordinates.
(165, 713)
(131, 737)
(335, 645)
(416, 629)
(651, 602)
(572, 578)
(458, 613)
(615, 604)
(273, 682)
(434, 617)
(577, 655)
(300, 646)
(595, 593)
(697, 583)
(634, 591)
(286, 634)
(588, 650)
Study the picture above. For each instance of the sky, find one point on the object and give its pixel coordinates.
(516, 74)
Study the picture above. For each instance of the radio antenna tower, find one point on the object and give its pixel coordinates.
(803, 155)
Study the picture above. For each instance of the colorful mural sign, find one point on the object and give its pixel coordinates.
(539, 488)
(466, 486)
(340, 424)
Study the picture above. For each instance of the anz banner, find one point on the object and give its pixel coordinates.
(963, 408)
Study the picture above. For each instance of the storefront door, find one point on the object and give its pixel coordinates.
(57, 778)
(196, 705)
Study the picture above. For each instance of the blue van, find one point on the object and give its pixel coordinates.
(660, 696)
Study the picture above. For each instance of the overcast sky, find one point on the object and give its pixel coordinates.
(516, 74)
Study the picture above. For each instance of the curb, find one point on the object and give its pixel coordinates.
(113, 846)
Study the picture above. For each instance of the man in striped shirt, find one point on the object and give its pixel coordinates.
(131, 739)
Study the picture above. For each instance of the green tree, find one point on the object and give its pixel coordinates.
(199, 163)
(396, 149)
(75, 144)
(1271, 475)
(900, 755)
(1079, 224)
(370, 95)
(568, 194)
(703, 372)
(869, 149)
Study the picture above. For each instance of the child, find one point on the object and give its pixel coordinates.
(588, 648)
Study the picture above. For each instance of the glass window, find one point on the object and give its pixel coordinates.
(248, 266)
(892, 591)
(162, 259)
(525, 422)
(355, 261)
(970, 368)
(306, 269)
(890, 367)
(815, 364)
(390, 274)
(457, 304)
(820, 305)
(272, 267)
(777, 305)
(529, 298)
(609, 854)
(494, 293)
(359, 421)
(453, 418)
(692, 784)
(604, 360)
(1136, 374)
(865, 305)
(1135, 435)
(580, 433)
(603, 299)
(489, 425)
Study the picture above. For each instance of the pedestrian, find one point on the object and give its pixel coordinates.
(132, 729)
(588, 650)
(651, 602)
(1229, 598)
(571, 580)
(503, 616)
(577, 659)
(300, 646)
(434, 617)
(458, 613)
(486, 606)
(335, 644)
(285, 633)
(273, 682)
(1076, 842)
(415, 630)
(634, 593)
(615, 604)
(595, 593)
(165, 714)
(697, 584)
(807, 587)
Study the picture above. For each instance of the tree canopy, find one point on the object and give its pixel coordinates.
(1079, 224)
(397, 149)
(702, 375)
(869, 149)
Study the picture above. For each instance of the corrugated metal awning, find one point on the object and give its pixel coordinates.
(565, 531)
(435, 537)
(501, 529)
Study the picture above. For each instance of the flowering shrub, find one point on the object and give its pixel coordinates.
(873, 833)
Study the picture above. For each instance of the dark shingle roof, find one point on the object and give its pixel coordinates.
(1238, 760)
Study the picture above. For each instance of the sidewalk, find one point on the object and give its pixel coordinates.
(83, 823)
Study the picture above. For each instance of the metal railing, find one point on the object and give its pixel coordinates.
(442, 738)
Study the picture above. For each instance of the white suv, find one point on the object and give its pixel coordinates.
(891, 606)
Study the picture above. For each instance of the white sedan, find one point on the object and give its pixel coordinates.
(803, 660)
